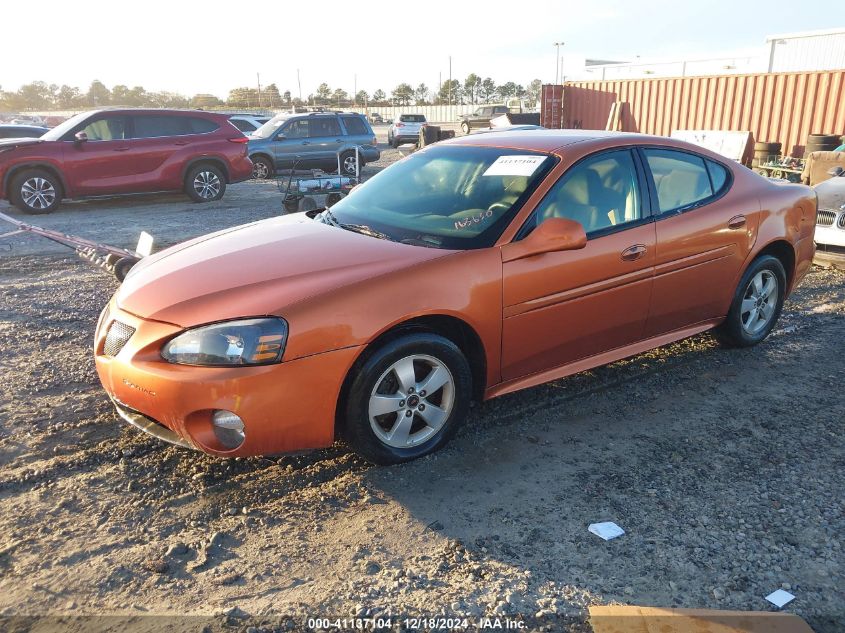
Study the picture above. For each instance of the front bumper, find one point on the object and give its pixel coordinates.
(285, 407)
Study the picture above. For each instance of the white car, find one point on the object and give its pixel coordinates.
(248, 123)
(830, 220)
(406, 129)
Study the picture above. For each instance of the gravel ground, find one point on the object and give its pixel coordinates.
(724, 467)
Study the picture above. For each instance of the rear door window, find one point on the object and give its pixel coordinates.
(680, 179)
(324, 126)
(157, 125)
(106, 129)
(355, 126)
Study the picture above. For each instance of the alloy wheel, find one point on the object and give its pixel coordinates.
(260, 170)
(38, 193)
(759, 302)
(411, 401)
(207, 184)
(349, 165)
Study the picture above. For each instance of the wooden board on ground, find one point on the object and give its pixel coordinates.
(624, 619)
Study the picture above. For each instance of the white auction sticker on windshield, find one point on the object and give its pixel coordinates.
(514, 165)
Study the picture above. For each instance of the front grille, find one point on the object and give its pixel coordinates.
(117, 336)
(841, 223)
(825, 217)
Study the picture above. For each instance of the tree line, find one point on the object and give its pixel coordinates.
(39, 95)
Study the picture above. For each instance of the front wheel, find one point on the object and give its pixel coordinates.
(348, 164)
(756, 305)
(36, 191)
(261, 168)
(205, 183)
(407, 399)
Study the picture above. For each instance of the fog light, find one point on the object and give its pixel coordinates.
(228, 428)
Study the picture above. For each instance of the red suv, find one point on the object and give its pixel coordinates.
(109, 152)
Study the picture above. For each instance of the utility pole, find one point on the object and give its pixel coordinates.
(258, 79)
(299, 83)
(355, 91)
(557, 61)
(450, 80)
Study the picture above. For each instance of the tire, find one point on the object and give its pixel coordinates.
(465, 127)
(205, 183)
(745, 324)
(262, 168)
(36, 191)
(419, 424)
(123, 266)
(347, 159)
(394, 143)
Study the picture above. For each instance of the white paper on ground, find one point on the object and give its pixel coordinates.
(780, 598)
(606, 530)
(517, 165)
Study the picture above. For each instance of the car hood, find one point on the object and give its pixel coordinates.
(9, 143)
(258, 269)
(831, 193)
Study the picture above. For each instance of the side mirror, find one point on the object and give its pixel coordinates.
(280, 137)
(553, 235)
(80, 137)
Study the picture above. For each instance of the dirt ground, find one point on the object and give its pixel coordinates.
(724, 467)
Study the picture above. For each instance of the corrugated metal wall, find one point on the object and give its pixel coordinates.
(775, 107)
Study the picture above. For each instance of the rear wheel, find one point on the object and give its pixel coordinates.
(757, 304)
(407, 399)
(205, 183)
(465, 127)
(36, 191)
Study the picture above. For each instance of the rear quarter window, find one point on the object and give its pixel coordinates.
(355, 126)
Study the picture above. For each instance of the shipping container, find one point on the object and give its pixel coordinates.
(774, 107)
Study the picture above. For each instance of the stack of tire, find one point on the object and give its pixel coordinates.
(432, 133)
(821, 143)
(429, 134)
(762, 151)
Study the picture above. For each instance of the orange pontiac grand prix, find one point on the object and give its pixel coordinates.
(468, 270)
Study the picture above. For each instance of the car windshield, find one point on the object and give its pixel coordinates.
(268, 129)
(63, 128)
(452, 197)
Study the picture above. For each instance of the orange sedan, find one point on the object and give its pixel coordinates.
(468, 270)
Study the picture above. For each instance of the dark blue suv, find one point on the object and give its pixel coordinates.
(312, 140)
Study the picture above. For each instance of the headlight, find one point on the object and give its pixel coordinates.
(231, 343)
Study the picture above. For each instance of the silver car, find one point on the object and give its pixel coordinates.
(406, 129)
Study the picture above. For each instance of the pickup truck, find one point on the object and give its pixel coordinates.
(481, 117)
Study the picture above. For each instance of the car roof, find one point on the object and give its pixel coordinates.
(554, 141)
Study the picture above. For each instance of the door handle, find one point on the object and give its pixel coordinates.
(736, 222)
(120, 149)
(306, 143)
(181, 142)
(634, 252)
(337, 140)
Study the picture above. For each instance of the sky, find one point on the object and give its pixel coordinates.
(213, 46)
